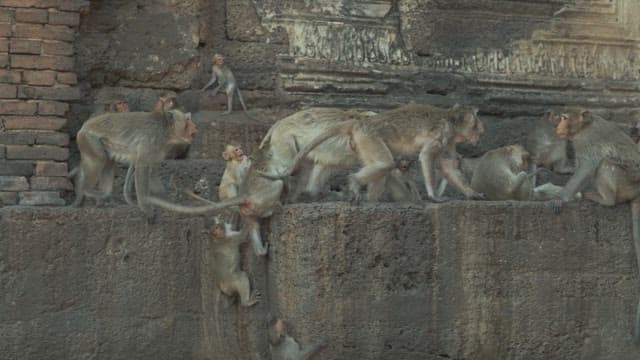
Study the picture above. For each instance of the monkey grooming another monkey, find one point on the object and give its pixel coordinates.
(138, 139)
(230, 279)
(608, 158)
(226, 81)
(284, 347)
(234, 173)
(400, 184)
(502, 174)
(546, 149)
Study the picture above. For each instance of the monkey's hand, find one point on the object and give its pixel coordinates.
(439, 199)
(476, 196)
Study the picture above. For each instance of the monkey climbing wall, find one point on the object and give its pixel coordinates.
(37, 83)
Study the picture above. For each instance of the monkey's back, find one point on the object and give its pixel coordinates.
(494, 175)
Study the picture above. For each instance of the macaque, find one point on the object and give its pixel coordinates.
(226, 82)
(259, 195)
(230, 279)
(138, 139)
(412, 129)
(164, 104)
(284, 347)
(607, 158)
(400, 184)
(546, 149)
(119, 106)
(502, 174)
(234, 173)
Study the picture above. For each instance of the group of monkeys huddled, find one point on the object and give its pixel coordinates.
(299, 153)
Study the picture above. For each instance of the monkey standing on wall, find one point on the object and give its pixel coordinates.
(607, 157)
(226, 81)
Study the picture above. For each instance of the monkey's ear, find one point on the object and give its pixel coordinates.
(584, 117)
(225, 155)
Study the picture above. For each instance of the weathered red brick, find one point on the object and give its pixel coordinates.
(17, 168)
(8, 198)
(17, 138)
(10, 76)
(57, 48)
(52, 108)
(33, 122)
(64, 18)
(5, 30)
(67, 78)
(52, 138)
(6, 15)
(13, 183)
(39, 77)
(49, 93)
(22, 46)
(61, 63)
(8, 91)
(32, 16)
(51, 168)
(4, 45)
(37, 152)
(41, 198)
(44, 32)
(16, 107)
(50, 183)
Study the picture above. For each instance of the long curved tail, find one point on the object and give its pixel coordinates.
(195, 210)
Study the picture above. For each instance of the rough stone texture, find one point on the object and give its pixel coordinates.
(98, 283)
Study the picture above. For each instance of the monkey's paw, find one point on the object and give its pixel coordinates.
(439, 199)
(477, 196)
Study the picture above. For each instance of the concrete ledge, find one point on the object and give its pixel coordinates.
(463, 280)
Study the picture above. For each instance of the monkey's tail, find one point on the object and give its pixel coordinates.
(267, 137)
(196, 210)
(244, 107)
(635, 222)
(73, 173)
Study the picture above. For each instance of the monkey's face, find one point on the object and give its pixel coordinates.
(471, 128)
(183, 128)
(568, 123)
(217, 232)
(218, 60)
(238, 153)
(122, 106)
(404, 165)
(520, 157)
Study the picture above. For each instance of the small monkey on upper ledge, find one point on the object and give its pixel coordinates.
(226, 81)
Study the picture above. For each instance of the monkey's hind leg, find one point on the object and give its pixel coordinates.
(240, 282)
(311, 350)
(93, 162)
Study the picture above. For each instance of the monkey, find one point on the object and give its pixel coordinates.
(412, 129)
(546, 149)
(284, 347)
(400, 184)
(226, 82)
(608, 158)
(259, 195)
(164, 104)
(502, 174)
(138, 139)
(119, 106)
(230, 279)
(234, 173)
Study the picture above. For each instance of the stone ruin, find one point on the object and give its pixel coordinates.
(460, 280)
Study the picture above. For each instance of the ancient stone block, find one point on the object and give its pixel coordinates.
(8, 91)
(50, 168)
(8, 198)
(64, 18)
(37, 152)
(16, 168)
(50, 183)
(49, 93)
(18, 137)
(4, 45)
(4, 60)
(5, 30)
(10, 76)
(61, 63)
(67, 78)
(52, 108)
(57, 48)
(33, 122)
(39, 77)
(3, 151)
(41, 198)
(6, 15)
(45, 32)
(13, 107)
(13, 183)
(52, 138)
(22, 46)
(32, 16)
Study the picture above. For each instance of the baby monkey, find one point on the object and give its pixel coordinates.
(284, 347)
(502, 174)
(119, 106)
(234, 173)
(226, 82)
(400, 183)
(226, 263)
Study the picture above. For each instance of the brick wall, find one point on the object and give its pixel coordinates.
(37, 81)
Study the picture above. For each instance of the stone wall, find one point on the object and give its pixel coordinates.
(37, 82)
